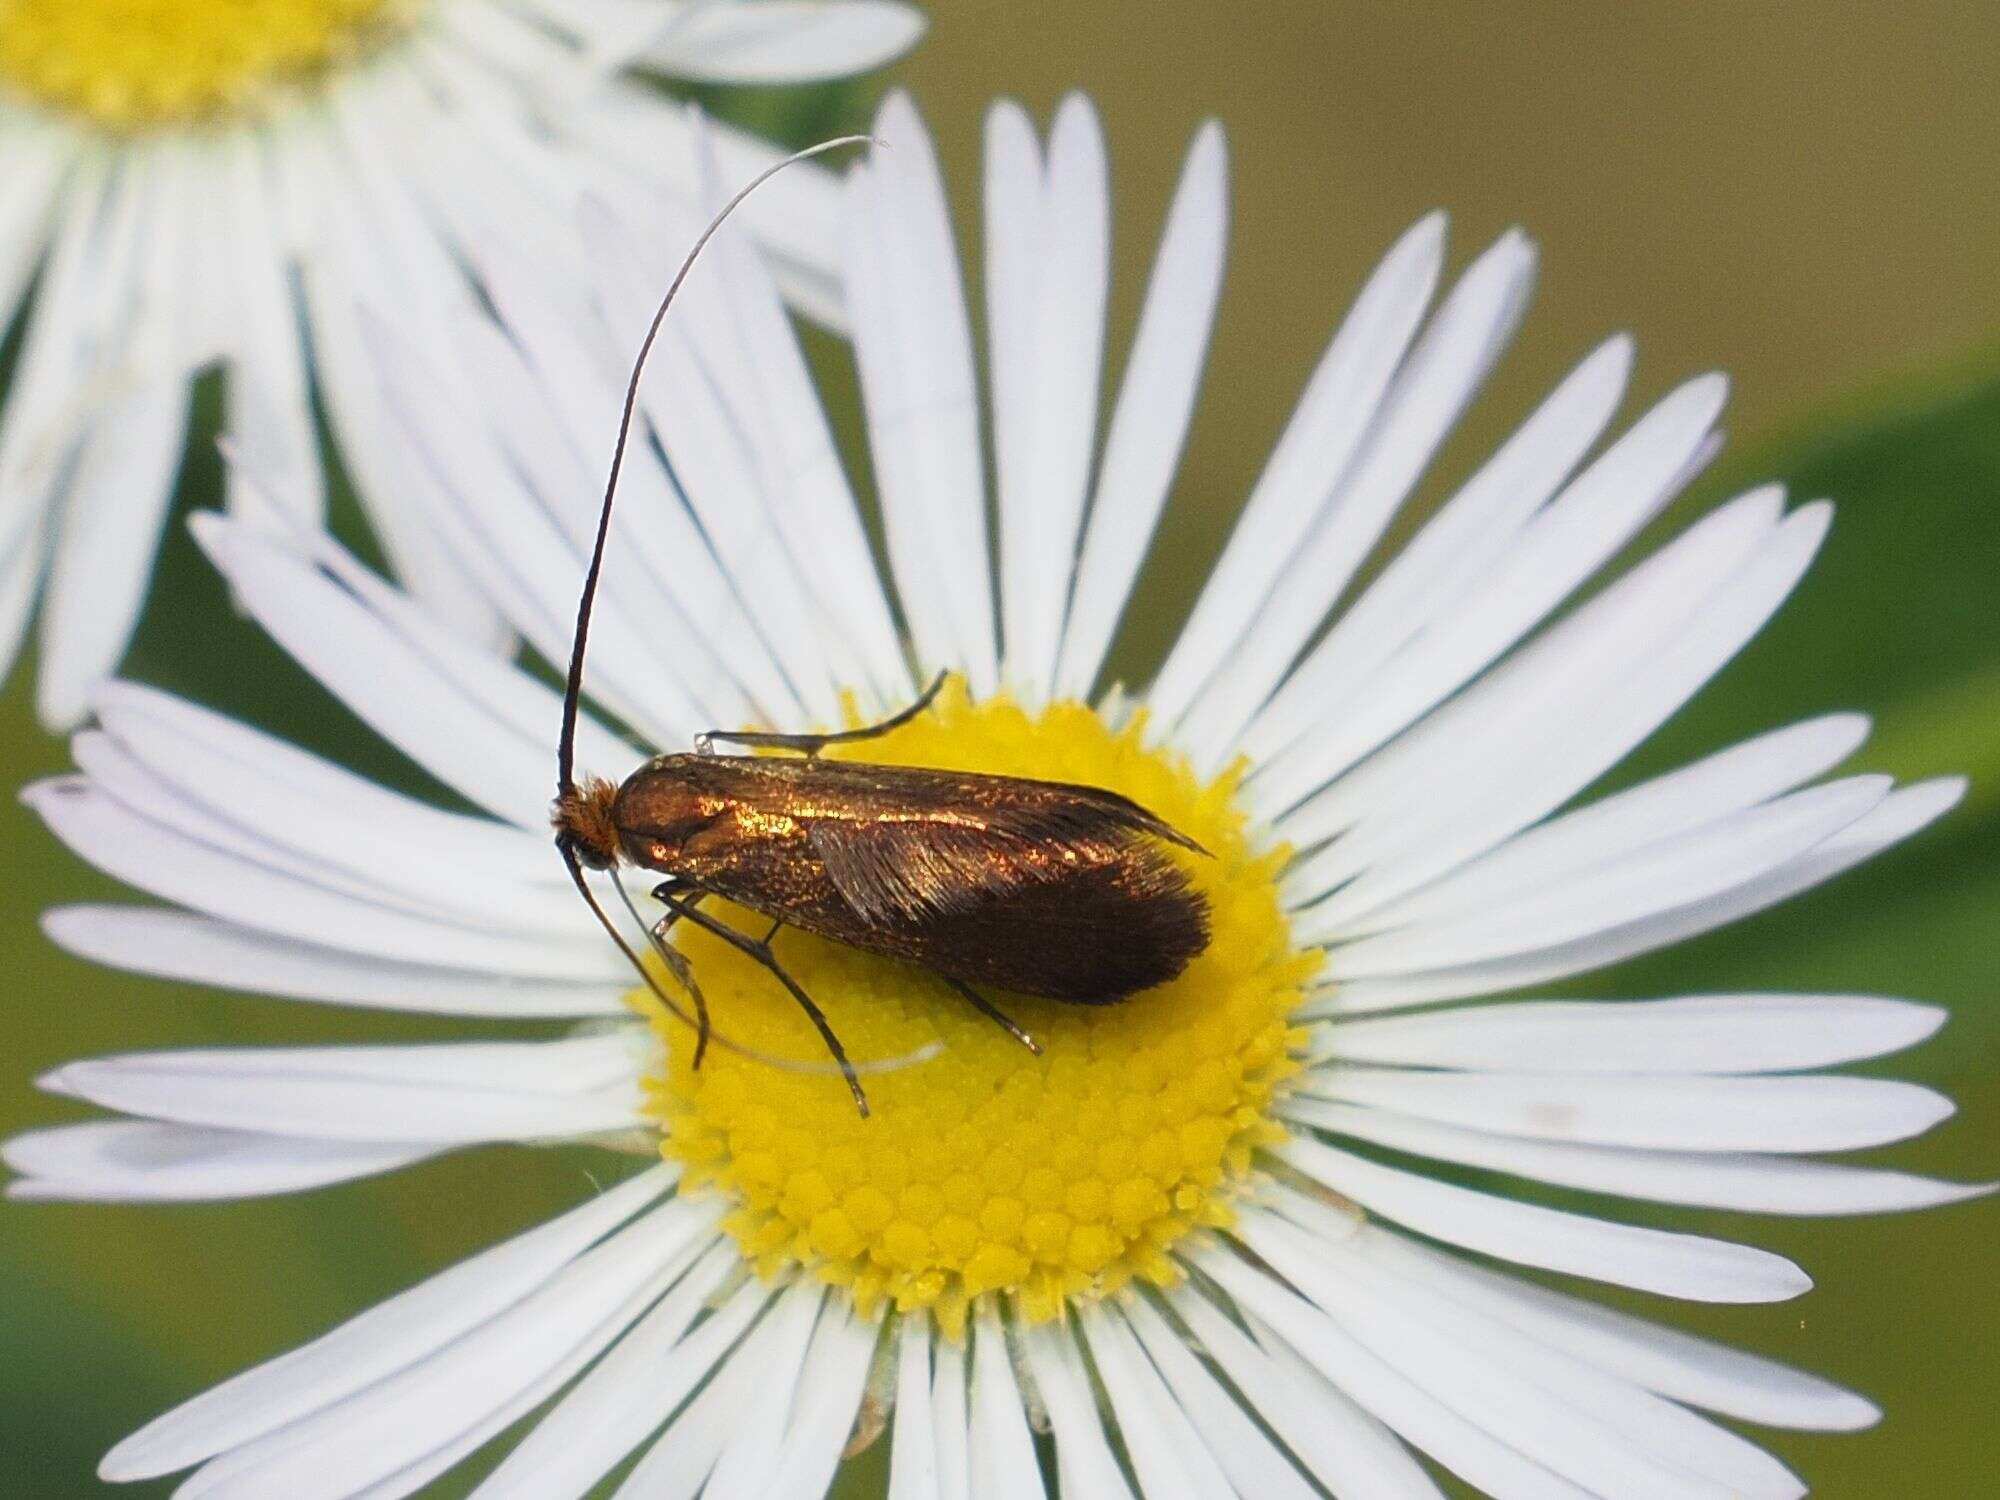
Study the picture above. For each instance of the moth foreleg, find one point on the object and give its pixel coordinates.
(676, 961)
(761, 951)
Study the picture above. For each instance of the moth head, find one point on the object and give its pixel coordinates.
(584, 822)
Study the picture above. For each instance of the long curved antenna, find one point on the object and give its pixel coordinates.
(573, 688)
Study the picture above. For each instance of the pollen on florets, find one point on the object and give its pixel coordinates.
(128, 64)
(988, 1169)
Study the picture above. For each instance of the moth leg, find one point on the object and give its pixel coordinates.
(762, 953)
(810, 745)
(677, 963)
(993, 1013)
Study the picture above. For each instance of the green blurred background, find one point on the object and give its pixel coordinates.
(1804, 195)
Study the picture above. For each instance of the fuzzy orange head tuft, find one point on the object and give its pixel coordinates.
(583, 821)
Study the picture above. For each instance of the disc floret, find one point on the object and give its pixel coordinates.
(125, 65)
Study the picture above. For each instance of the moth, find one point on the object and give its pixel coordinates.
(1038, 887)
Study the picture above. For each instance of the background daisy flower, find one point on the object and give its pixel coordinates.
(1239, 1214)
(199, 182)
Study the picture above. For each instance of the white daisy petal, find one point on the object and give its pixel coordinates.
(140, 1161)
(914, 1471)
(361, 661)
(1672, 873)
(1249, 1459)
(783, 41)
(241, 890)
(1046, 315)
(379, 1342)
(748, 348)
(831, 1387)
(1343, 1447)
(1001, 1456)
(1084, 1461)
(116, 506)
(58, 351)
(370, 1435)
(1444, 370)
(269, 410)
(373, 446)
(1903, 813)
(1685, 611)
(1332, 418)
(327, 812)
(1406, 1406)
(1693, 1034)
(629, 1392)
(1746, 1182)
(1149, 423)
(1678, 802)
(1674, 1364)
(796, 216)
(1013, 214)
(320, 845)
(678, 1465)
(1644, 611)
(200, 950)
(1658, 1113)
(1448, 557)
(914, 349)
(1547, 558)
(445, 1093)
(1598, 1430)
(533, 556)
(21, 570)
(1653, 1260)
(749, 1460)
(38, 160)
(1181, 1463)
(950, 1423)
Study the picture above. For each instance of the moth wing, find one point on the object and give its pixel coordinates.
(893, 870)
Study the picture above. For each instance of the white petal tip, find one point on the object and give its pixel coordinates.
(1076, 106)
(1429, 232)
(37, 794)
(1950, 790)
(1851, 1413)
(118, 1467)
(1620, 352)
(59, 1081)
(61, 705)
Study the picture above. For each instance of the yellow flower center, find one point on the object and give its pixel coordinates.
(129, 64)
(987, 1168)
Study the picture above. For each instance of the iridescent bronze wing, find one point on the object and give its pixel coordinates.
(1043, 887)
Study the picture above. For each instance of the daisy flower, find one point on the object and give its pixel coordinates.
(1215, 1239)
(193, 182)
